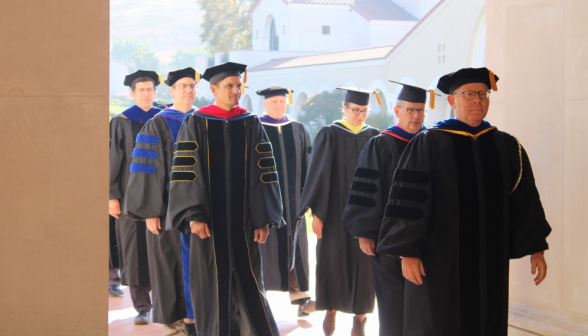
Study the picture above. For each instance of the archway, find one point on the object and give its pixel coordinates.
(438, 114)
(298, 104)
(246, 103)
(478, 52)
(274, 43)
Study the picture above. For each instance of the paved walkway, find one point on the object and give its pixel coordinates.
(121, 314)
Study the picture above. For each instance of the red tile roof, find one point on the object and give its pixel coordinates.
(341, 56)
(353, 55)
(370, 9)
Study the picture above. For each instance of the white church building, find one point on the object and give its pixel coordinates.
(312, 46)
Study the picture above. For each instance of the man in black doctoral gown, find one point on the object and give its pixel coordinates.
(224, 188)
(131, 234)
(367, 200)
(463, 202)
(148, 195)
(344, 280)
(284, 255)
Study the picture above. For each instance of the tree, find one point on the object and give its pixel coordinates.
(139, 53)
(185, 57)
(226, 25)
(380, 120)
(321, 109)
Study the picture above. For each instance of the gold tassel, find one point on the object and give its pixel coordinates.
(242, 89)
(290, 95)
(378, 97)
(492, 81)
(245, 77)
(197, 76)
(160, 79)
(432, 99)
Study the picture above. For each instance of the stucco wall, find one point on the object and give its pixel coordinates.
(54, 140)
(540, 51)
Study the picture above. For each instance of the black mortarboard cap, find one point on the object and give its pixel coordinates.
(174, 76)
(415, 94)
(217, 73)
(143, 73)
(276, 90)
(359, 96)
(448, 83)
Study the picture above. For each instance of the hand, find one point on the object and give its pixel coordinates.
(200, 229)
(114, 208)
(260, 235)
(153, 225)
(538, 263)
(367, 246)
(412, 269)
(317, 227)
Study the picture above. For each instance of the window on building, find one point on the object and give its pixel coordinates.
(225, 58)
(210, 61)
(256, 34)
(326, 30)
(274, 42)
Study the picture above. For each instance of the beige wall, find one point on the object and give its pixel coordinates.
(54, 166)
(539, 49)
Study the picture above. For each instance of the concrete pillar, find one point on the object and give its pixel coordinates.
(54, 167)
(540, 51)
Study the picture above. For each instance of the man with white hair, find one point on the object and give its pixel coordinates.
(285, 253)
(463, 203)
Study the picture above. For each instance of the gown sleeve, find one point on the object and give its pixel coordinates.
(117, 156)
(406, 217)
(365, 207)
(148, 175)
(528, 226)
(265, 203)
(188, 194)
(318, 179)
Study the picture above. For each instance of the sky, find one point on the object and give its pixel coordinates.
(168, 24)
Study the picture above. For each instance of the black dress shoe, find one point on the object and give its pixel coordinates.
(114, 290)
(305, 307)
(190, 329)
(142, 318)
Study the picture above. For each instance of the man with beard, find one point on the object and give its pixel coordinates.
(224, 188)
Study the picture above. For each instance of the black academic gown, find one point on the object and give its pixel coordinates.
(224, 176)
(452, 204)
(131, 236)
(344, 280)
(148, 198)
(113, 255)
(363, 217)
(286, 249)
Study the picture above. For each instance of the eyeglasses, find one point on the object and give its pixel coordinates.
(412, 111)
(357, 111)
(469, 95)
(191, 87)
